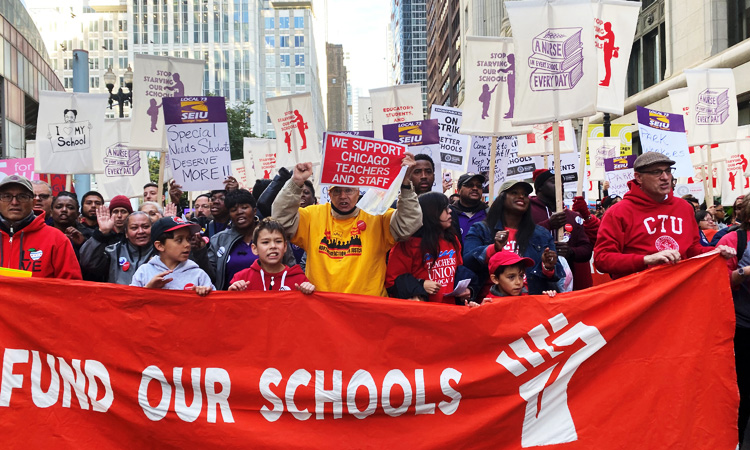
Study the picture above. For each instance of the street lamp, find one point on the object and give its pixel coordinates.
(121, 97)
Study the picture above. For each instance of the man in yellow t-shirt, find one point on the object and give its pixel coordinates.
(346, 246)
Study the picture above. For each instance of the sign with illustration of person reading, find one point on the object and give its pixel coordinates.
(296, 134)
(69, 128)
(355, 161)
(614, 27)
(197, 142)
(556, 66)
(712, 99)
(156, 78)
(489, 103)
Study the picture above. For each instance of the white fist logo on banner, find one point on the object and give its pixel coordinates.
(547, 420)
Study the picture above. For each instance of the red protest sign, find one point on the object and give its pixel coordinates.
(360, 162)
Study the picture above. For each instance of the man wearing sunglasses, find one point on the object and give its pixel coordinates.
(26, 242)
(650, 226)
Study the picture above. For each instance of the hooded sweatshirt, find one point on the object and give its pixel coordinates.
(186, 275)
(258, 280)
(638, 226)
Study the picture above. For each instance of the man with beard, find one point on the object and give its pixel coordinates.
(219, 212)
(346, 246)
(202, 206)
(26, 243)
(89, 203)
(469, 209)
(65, 218)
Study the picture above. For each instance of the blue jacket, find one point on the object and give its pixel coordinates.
(480, 237)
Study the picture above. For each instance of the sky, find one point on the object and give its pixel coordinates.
(360, 26)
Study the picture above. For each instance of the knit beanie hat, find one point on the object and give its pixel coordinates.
(540, 176)
(120, 201)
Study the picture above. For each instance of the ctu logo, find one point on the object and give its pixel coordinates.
(653, 224)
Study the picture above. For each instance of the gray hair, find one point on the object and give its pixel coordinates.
(42, 183)
(158, 207)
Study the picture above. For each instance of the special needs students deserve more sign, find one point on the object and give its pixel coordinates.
(360, 162)
(141, 368)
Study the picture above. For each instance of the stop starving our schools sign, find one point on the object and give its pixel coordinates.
(611, 367)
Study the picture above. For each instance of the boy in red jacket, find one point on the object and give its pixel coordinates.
(268, 272)
(508, 276)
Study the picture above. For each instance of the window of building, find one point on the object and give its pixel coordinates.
(123, 60)
(299, 60)
(109, 62)
(122, 25)
(270, 61)
(285, 59)
(123, 44)
(299, 79)
(94, 26)
(648, 58)
(284, 22)
(269, 22)
(68, 82)
(93, 44)
(738, 19)
(94, 83)
(283, 41)
(270, 80)
(109, 44)
(270, 42)
(299, 41)
(286, 80)
(299, 22)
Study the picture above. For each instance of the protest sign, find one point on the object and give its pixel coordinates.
(694, 189)
(260, 157)
(296, 133)
(125, 168)
(539, 140)
(713, 98)
(699, 153)
(363, 133)
(69, 126)
(508, 165)
(600, 149)
(453, 145)
(364, 116)
(665, 133)
(18, 166)
(198, 142)
(360, 162)
(154, 78)
(614, 27)
(239, 173)
(557, 69)
(395, 104)
(623, 131)
(148, 369)
(680, 101)
(490, 87)
(421, 137)
(568, 174)
(619, 171)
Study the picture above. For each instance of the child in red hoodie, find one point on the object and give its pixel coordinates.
(268, 273)
(508, 274)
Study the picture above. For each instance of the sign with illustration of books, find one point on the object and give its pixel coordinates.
(712, 107)
(119, 161)
(557, 59)
(557, 74)
(712, 101)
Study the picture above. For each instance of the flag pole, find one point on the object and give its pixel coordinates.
(493, 155)
(558, 173)
(582, 156)
(710, 179)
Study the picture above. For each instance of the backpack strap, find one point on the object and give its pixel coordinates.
(741, 243)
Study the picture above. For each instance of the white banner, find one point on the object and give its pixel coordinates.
(599, 150)
(125, 168)
(453, 146)
(260, 157)
(490, 87)
(712, 97)
(395, 104)
(506, 160)
(156, 77)
(296, 134)
(614, 28)
(364, 114)
(694, 189)
(557, 69)
(680, 102)
(69, 126)
(240, 174)
(539, 141)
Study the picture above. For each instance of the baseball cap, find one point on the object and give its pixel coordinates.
(607, 201)
(17, 179)
(506, 258)
(468, 176)
(510, 183)
(166, 224)
(650, 158)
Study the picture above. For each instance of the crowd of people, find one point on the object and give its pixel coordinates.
(428, 247)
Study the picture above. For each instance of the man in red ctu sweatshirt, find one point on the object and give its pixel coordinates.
(649, 226)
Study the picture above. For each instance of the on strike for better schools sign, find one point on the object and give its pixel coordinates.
(360, 162)
(198, 141)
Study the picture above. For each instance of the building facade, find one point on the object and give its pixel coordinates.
(338, 95)
(408, 27)
(25, 70)
(443, 52)
(291, 58)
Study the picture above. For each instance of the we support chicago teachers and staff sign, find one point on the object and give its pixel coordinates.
(592, 369)
(360, 162)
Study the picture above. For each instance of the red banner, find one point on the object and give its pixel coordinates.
(360, 162)
(642, 362)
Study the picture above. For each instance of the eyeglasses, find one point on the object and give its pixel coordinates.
(658, 172)
(42, 196)
(23, 197)
(338, 192)
(477, 185)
